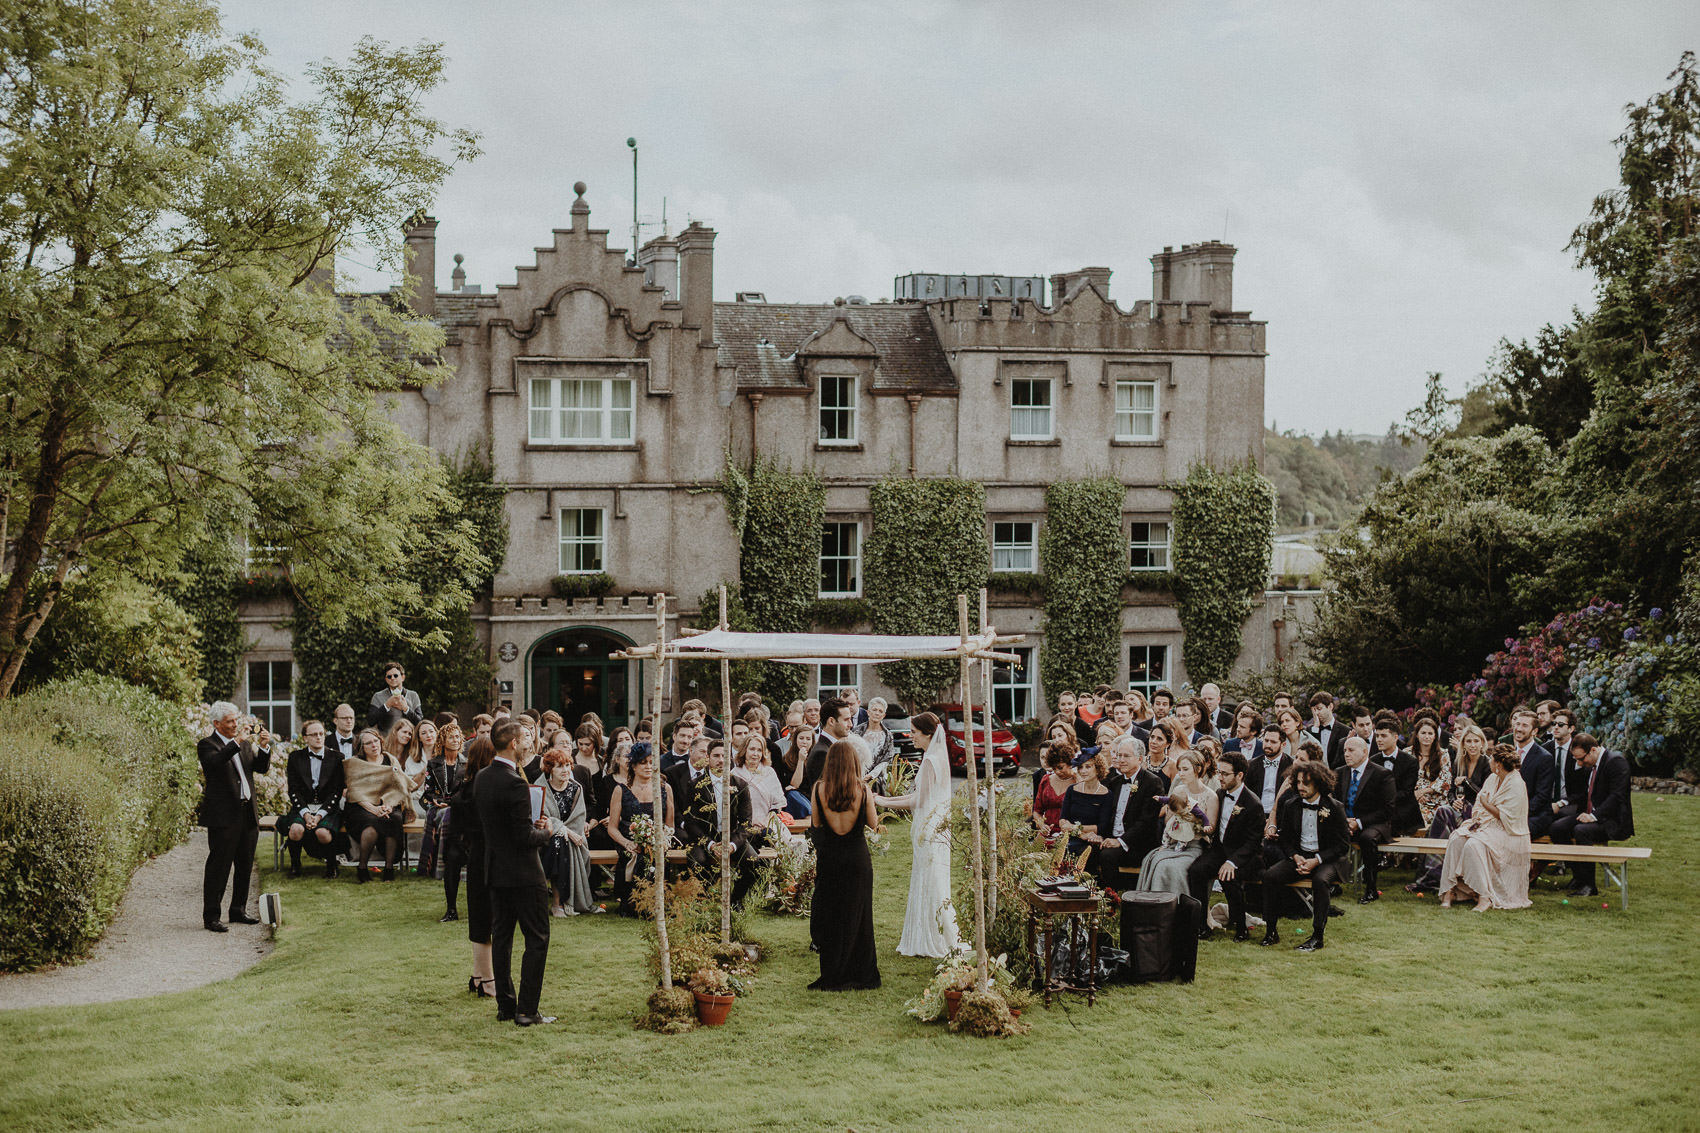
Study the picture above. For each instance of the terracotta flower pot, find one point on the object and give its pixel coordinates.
(952, 1003)
(713, 1009)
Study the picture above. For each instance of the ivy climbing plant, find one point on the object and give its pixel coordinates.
(1224, 528)
(927, 546)
(1085, 564)
(777, 513)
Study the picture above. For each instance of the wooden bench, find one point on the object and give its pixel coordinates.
(610, 858)
(1613, 859)
(271, 823)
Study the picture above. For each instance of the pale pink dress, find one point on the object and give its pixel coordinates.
(1489, 854)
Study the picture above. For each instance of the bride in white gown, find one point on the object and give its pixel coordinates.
(929, 926)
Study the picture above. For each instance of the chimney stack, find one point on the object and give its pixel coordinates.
(659, 260)
(1198, 273)
(1066, 285)
(696, 277)
(421, 240)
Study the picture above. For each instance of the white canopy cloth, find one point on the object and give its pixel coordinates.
(826, 648)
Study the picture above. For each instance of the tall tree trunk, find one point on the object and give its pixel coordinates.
(15, 633)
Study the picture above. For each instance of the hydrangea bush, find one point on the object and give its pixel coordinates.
(1635, 699)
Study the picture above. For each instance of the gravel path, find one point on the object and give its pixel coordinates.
(154, 946)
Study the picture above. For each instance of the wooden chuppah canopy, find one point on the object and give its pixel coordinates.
(726, 645)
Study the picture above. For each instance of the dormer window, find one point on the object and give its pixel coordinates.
(837, 409)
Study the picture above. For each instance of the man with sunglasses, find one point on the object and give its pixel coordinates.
(394, 701)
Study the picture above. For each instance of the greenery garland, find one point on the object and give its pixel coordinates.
(1223, 527)
(777, 513)
(1085, 568)
(928, 545)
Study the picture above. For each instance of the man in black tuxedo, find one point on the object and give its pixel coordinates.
(519, 892)
(341, 738)
(1329, 733)
(315, 782)
(1121, 715)
(682, 777)
(1217, 720)
(1235, 855)
(1366, 789)
(1311, 830)
(1402, 765)
(1538, 771)
(702, 817)
(1264, 777)
(1570, 778)
(1134, 831)
(229, 762)
(1602, 814)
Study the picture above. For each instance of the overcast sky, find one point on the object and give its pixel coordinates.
(1400, 179)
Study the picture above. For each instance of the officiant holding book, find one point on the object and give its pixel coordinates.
(519, 890)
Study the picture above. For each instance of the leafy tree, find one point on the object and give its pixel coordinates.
(1437, 416)
(172, 352)
(115, 625)
(1542, 384)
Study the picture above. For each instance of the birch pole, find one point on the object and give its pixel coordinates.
(725, 786)
(983, 981)
(658, 808)
(991, 766)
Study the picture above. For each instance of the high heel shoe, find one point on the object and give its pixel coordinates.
(472, 985)
(491, 994)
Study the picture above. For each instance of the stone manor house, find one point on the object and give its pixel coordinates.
(608, 392)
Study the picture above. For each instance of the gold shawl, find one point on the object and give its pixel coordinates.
(378, 784)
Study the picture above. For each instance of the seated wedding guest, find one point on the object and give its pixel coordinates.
(401, 743)
(1266, 771)
(1434, 767)
(1054, 735)
(1235, 855)
(799, 741)
(1133, 830)
(481, 725)
(1367, 790)
(1089, 708)
(314, 781)
(467, 832)
(1085, 812)
(1602, 814)
(1292, 727)
(419, 759)
(341, 739)
(1487, 858)
(566, 857)
(882, 745)
(1248, 727)
(1311, 832)
(1188, 817)
(379, 800)
(1048, 800)
(1469, 768)
(685, 732)
(394, 701)
(682, 777)
(442, 776)
(1164, 746)
(718, 805)
(637, 798)
(1209, 749)
(644, 733)
(1141, 709)
(1538, 769)
(767, 794)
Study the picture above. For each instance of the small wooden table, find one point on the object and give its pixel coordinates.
(1045, 908)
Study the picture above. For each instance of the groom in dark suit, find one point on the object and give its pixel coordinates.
(519, 892)
(229, 762)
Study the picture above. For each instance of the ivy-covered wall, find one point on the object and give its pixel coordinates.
(1085, 565)
(928, 545)
(1224, 528)
(777, 513)
(207, 591)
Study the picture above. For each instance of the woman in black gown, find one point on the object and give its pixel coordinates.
(841, 919)
(465, 828)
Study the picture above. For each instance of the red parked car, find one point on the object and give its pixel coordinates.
(1004, 743)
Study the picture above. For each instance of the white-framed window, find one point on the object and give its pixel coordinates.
(1012, 688)
(270, 695)
(1147, 668)
(1136, 411)
(841, 560)
(833, 680)
(1148, 546)
(583, 540)
(1030, 409)
(586, 411)
(1015, 547)
(838, 409)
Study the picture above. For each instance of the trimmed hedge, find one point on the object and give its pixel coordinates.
(96, 776)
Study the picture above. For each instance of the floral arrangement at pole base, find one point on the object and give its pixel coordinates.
(952, 996)
(670, 1011)
(704, 968)
(714, 989)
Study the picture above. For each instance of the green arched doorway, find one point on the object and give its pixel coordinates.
(571, 671)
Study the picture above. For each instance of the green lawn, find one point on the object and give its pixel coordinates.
(1555, 1018)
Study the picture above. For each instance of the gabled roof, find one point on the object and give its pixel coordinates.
(761, 340)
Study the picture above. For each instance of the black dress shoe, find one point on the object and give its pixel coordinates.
(504, 1016)
(215, 926)
(330, 869)
(1336, 911)
(389, 873)
(532, 1020)
(243, 918)
(1372, 895)
(295, 871)
(1583, 891)
(1270, 939)
(1205, 934)
(361, 875)
(1241, 935)
(451, 915)
(1314, 944)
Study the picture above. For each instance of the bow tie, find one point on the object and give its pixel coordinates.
(1311, 806)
